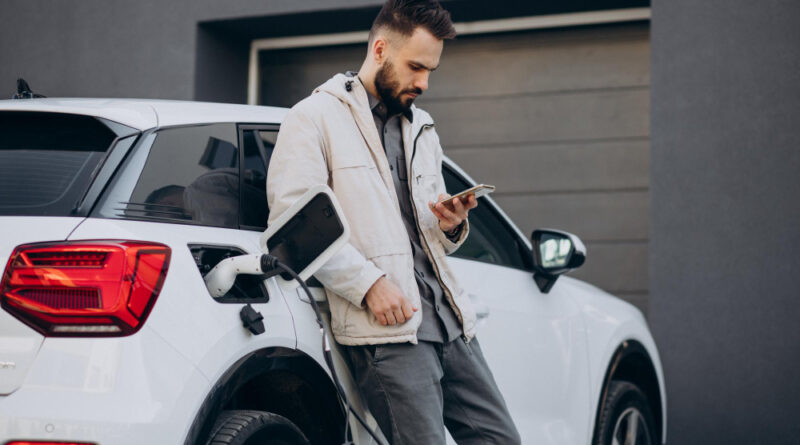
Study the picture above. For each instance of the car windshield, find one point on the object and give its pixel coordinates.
(47, 161)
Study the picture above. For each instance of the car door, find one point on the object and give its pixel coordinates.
(535, 343)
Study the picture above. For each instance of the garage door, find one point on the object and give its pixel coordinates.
(558, 120)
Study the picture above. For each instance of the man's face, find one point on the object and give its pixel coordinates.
(407, 65)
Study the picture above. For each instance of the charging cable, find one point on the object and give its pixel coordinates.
(269, 264)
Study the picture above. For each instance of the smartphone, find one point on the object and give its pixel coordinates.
(479, 190)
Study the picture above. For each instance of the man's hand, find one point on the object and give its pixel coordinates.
(450, 218)
(388, 304)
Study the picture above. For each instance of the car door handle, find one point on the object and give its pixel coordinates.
(481, 309)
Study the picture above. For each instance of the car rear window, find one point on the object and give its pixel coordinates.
(47, 160)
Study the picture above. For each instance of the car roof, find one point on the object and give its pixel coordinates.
(143, 114)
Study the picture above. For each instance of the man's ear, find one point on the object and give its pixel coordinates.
(379, 48)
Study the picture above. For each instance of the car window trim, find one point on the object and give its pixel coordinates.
(240, 129)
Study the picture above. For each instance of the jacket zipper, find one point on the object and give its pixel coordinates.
(445, 289)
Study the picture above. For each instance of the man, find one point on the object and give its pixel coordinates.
(406, 325)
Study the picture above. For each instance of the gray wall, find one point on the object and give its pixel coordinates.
(185, 49)
(725, 218)
(142, 48)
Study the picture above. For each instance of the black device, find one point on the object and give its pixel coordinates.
(306, 235)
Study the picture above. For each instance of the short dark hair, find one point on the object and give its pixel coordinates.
(404, 16)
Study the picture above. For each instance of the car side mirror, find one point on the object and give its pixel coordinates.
(555, 252)
(304, 237)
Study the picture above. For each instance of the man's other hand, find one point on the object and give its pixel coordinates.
(452, 217)
(388, 304)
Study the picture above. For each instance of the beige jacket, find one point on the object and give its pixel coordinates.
(330, 138)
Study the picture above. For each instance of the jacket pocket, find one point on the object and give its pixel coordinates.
(352, 159)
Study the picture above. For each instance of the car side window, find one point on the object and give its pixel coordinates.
(257, 145)
(490, 239)
(192, 176)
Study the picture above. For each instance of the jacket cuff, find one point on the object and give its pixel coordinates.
(369, 275)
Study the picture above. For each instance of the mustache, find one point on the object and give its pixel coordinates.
(417, 91)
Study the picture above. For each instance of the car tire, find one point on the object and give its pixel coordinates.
(626, 418)
(245, 427)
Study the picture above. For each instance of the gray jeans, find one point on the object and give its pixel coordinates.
(414, 391)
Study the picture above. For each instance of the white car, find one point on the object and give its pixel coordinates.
(112, 212)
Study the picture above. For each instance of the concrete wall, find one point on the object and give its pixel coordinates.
(142, 48)
(185, 49)
(725, 218)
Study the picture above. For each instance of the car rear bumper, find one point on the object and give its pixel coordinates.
(129, 390)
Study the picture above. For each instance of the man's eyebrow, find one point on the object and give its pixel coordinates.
(420, 64)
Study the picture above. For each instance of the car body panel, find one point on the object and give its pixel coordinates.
(610, 322)
(535, 345)
(125, 390)
(207, 333)
(143, 114)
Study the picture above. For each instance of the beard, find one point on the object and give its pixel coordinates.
(389, 90)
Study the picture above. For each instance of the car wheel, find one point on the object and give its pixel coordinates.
(255, 428)
(626, 418)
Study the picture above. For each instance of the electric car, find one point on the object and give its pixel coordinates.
(112, 212)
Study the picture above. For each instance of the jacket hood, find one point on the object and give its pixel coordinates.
(356, 96)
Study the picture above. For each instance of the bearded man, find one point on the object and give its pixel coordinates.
(407, 327)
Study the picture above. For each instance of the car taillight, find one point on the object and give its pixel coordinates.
(84, 288)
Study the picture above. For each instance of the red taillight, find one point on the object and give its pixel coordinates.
(80, 288)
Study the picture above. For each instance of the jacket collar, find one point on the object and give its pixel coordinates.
(357, 98)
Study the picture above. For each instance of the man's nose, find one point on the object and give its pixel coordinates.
(422, 81)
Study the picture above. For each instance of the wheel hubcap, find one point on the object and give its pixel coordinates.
(631, 429)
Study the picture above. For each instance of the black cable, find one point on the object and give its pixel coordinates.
(326, 349)
(274, 262)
